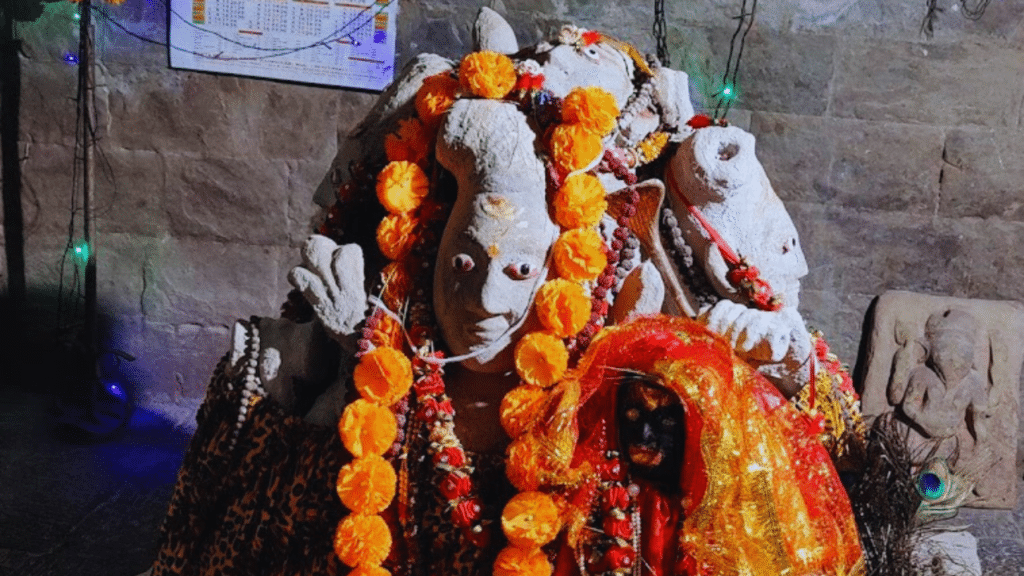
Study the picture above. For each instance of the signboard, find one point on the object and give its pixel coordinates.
(348, 43)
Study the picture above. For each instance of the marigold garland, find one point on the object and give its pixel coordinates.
(401, 186)
(541, 359)
(593, 108)
(369, 571)
(396, 235)
(487, 74)
(530, 519)
(367, 429)
(383, 376)
(563, 307)
(411, 142)
(573, 147)
(362, 540)
(366, 485)
(514, 561)
(520, 409)
(579, 255)
(580, 202)
(435, 96)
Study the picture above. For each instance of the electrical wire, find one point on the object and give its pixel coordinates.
(732, 67)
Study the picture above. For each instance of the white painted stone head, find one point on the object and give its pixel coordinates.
(717, 170)
(493, 254)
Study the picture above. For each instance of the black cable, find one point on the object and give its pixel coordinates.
(732, 67)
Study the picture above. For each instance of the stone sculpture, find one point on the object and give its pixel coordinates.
(950, 370)
(492, 275)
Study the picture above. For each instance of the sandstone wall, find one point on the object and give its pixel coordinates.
(898, 155)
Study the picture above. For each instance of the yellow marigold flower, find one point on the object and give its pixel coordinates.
(401, 186)
(592, 107)
(366, 485)
(523, 465)
(521, 408)
(411, 142)
(530, 520)
(395, 235)
(383, 376)
(573, 147)
(435, 96)
(579, 255)
(362, 540)
(367, 429)
(541, 359)
(580, 202)
(563, 307)
(487, 74)
(652, 146)
(513, 561)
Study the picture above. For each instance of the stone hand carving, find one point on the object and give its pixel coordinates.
(944, 390)
(331, 278)
(727, 210)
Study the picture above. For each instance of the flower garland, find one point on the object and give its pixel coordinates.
(571, 308)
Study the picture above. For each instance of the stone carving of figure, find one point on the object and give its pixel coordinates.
(944, 390)
(470, 292)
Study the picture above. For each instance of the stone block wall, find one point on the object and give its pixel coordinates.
(898, 155)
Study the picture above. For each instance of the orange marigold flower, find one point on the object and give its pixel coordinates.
(367, 429)
(366, 485)
(513, 561)
(593, 108)
(530, 519)
(579, 255)
(563, 307)
(580, 202)
(362, 540)
(573, 147)
(541, 359)
(523, 465)
(395, 235)
(367, 570)
(435, 96)
(411, 142)
(487, 74)
(401, 186)
(383, 376)
(520, 409)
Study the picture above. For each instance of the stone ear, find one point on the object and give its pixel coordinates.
(492, 32)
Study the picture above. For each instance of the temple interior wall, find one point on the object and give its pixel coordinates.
(898, 155)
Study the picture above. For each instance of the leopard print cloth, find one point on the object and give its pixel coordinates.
(267, 505)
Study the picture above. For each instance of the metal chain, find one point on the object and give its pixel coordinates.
(661, 32)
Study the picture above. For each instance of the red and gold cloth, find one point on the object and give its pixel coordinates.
(758, 492)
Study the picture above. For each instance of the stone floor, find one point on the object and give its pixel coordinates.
(87, 509)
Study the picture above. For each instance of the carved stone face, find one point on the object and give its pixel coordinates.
(492, 255)
(599, 64)
(651, 431)
(490, 263)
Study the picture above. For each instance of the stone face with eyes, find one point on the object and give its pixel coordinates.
(492, 256)
(651, 431)
(489, 265)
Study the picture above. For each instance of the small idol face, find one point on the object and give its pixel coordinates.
(651, 431)
(491, 261)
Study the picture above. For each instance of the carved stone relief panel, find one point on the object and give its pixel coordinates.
(950, 369)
